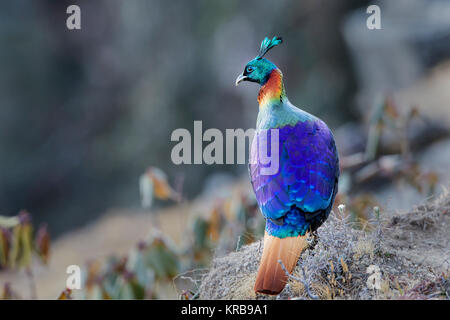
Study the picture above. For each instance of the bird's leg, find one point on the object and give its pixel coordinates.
(312, 239)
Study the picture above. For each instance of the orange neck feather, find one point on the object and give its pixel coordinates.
(273, 89)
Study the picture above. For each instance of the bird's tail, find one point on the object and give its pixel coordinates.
(271, 278)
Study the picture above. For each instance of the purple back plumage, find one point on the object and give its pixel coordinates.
(296, 193)
(305, 182)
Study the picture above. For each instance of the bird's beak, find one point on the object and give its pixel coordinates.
(240, 78)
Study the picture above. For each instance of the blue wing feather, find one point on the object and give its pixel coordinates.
(305, 182)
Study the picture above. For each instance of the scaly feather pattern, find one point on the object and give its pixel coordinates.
(300, 193)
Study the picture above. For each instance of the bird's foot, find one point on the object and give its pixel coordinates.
(312, 240)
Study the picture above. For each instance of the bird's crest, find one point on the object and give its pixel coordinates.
(268, 44)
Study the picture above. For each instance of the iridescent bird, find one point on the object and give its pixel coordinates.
(296, 198)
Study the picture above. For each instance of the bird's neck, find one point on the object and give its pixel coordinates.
(272, 91)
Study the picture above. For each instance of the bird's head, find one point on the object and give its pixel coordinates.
(259, 69)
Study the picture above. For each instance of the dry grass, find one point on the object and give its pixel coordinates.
(338, 264)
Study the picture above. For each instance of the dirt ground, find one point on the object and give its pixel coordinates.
(114, 234)
(411, 249)
(409, 252)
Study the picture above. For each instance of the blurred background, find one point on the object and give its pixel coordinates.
(83, 113)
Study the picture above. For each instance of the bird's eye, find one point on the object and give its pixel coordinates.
(249, 69)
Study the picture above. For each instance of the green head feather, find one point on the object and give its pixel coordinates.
(268, 44)
(259, 69)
